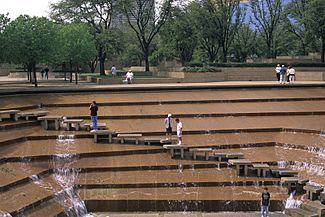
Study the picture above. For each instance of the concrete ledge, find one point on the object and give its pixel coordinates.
(164, 205)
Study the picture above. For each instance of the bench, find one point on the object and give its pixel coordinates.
(51, 119)
(13, 114)
(300, 212)
(314, 206)
(173, 149)
(103, 134)
(206, 152)
(227, 156)
(261, 169)
(122, 137)
(313, 192)
(36, 114)
(76, 122)
(100, 126)
(240, 163)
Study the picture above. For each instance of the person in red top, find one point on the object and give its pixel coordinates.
(93, 114)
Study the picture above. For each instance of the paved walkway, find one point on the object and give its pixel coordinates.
(21, 86)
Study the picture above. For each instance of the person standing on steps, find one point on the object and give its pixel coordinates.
(283, 75)
(93, 114)
(179, 131)
(113, 70)
(169, 126)
(277, 72)
(265, 202)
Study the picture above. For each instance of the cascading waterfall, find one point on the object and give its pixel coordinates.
(65, 176)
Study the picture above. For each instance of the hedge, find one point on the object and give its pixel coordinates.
(294, 64)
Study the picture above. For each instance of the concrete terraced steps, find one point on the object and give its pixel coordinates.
(179, 198)
(280, 127)
(195, 108)
(15, 101)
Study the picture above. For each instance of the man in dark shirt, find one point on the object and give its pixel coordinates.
(93, 113)
(265, 202)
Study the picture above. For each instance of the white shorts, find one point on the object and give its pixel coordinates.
(179, 133)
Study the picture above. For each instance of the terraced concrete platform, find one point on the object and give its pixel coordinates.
(42, 176)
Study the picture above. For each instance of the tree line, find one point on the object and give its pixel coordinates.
(135, 31)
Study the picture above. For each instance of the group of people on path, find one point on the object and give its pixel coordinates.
(128, 77)
(284, 74)
(169, 128)
(168, 123)
(46, 72)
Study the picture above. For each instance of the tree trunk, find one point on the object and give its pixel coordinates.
(76, 74)
(34, 73)
(323, 50)
(64, 68)
(29, 68)
(224, 54)
(70, 71)
(101, 57)
(146, 59)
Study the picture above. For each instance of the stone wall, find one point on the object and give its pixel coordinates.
(244, 74)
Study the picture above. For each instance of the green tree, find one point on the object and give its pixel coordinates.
(142, 18)
(179, 35)
(29, 41)
(296, 23)
(226, 15)
(206, 29)
(266, 16)
(316, 19)
(78, 46)
(4, 20)
(96, 13)
(244, 43)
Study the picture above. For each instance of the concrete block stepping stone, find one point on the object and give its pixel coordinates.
(150, 141)
(136, 137)
(100, 126)
(174, 148)
(298, 212)
(294, 183)
(75, 122)
(262, 169)
(51, 122)
(103, 134)
(240, 163)
(13, 114)
(27, 115)
(227, 156)
(206, 152)
(315, 207)
(313, 192)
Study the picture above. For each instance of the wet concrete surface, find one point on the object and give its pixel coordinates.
(183, 193)
(16, 101)
(207, 108)
(316, 122)
(204, 175)
(48, 148)
(187, 214)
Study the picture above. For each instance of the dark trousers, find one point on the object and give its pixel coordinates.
(278, 76)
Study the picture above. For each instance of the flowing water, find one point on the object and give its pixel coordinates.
(65, 176)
